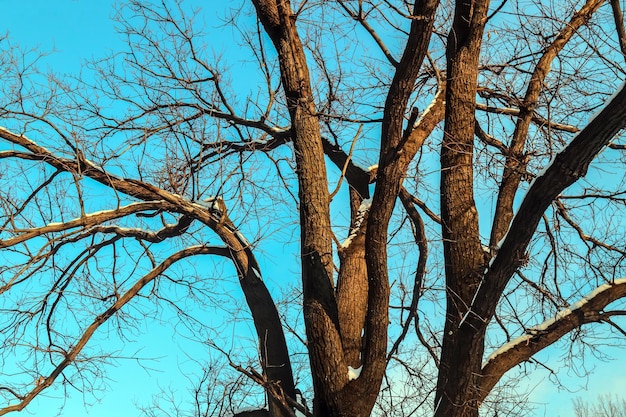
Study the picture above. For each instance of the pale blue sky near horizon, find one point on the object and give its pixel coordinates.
(77, 30)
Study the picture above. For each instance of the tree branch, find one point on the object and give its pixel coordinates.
(567, 167)
(73, 353)
(586, 310)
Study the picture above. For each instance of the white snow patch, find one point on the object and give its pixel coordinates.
(94, 214)
(372, 168)
(211, 203)
(241, 238)
(257, 273)
(247, 409)
(430, 106)
(558, 316)
(300, 400)
(354, 373)
(360, 215)
(94, 166)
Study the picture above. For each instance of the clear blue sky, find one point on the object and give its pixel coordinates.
(82, 29)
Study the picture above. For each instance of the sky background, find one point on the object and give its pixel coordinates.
(77, 30)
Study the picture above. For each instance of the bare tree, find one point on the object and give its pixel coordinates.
(605, 406)
(475, 117)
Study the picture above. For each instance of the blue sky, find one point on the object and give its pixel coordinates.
(81, 29)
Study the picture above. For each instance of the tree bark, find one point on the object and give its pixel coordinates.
(462, 346)
(320, 306)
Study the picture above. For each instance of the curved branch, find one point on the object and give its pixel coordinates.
(359, 17)
(274, 353)
(395, 154)
(516, 160)
(73, 353)
(589, 309)
(567, 167)
(83, 221)
(419, 233)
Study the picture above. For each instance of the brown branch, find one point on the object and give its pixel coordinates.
(359, 17)
(562, 211)
(160, 235)
(618, 17)
(419, 233)
(516, 160)
(87, 220)
(346, 163)
(587, 310)
(73, 353)
(274, 353)
(487, 139)
(390, 172)
(541, 121)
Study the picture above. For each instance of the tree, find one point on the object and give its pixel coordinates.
(115, 184)
(605, 406)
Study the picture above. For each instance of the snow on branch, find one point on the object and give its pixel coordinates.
(358, 222)
(354, 373)
(87, 220)
(588, 309)
(562, 315)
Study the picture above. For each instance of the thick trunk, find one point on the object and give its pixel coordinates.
(352, 284)
(320, 307)
(462, 347)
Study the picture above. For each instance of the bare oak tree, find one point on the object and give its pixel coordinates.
(475, 118)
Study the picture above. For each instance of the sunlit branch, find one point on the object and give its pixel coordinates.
(88, 220)
(360, 18)
(538, 120)
(618, 17)
(166, 232)
(563, 212)
(419, 234)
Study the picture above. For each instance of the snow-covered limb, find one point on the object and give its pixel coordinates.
(560, 316)
(87, 220)
(241, 238)
(360, 216)
(588, 309)
(440, 94)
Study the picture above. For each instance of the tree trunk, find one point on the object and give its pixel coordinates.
(462, 347)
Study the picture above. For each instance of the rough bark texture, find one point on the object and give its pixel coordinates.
(389, 177)
(347, 321)
(589, 310)
(321, 313)
(352, 286)
(320, 306)
(464, 258)
(568, 166)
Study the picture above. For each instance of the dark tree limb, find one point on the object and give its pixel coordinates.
(516, 159)
(419, 233)
(568, 166)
